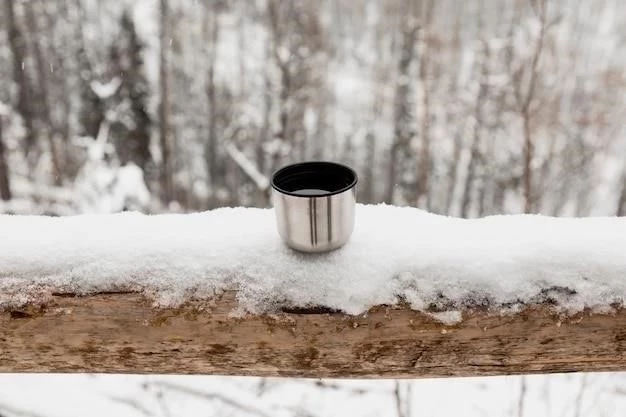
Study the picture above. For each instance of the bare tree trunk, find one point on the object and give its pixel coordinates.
(211, 29)
(65, 130)
(285, 81)
(579, 398)
(621, 203)
(483, 194)
(285, 76)
(323, 101)
(267, 111)
(347, 153)
(241, 45)
(295, 28)
(283, 120)
(17, 44)
(43, 99)
(453, 167)
(402, 113)
(370, 159)
(453, 171)
(522, 397)
(478, 125)
(164, 107)
(528, 158)
(5, 187)
(422, 197)
(525, 102)
(398, 400)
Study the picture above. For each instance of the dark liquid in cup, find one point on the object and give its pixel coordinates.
(311, 192)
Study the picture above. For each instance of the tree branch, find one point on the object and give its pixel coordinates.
(208, 396)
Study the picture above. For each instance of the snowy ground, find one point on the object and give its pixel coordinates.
(580, 395)
(395, 253)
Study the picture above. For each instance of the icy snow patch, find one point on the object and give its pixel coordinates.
(434, 263)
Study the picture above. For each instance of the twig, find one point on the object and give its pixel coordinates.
(407, 400)
(163, 404)
(132, 403)
(579, 397)
(546, 396)
(211, 396)
(165, 412)
(248, 167)
(522, 397)
(262, 386)
(338, 387)
(16, 412)
(525, 105)
(299, 411)
(396, 393)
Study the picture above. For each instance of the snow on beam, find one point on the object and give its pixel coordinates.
(123, 333)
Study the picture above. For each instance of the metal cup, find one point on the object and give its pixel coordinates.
(314, 204)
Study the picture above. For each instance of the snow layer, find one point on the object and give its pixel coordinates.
(396, 254)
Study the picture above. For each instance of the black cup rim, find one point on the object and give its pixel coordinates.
(314, 163)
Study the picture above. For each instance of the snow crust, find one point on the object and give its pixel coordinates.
(396, 254)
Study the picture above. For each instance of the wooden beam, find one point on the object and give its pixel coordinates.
(123, 333)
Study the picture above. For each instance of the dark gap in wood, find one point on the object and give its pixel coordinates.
(309, 310)
(65, 294)
(18, 314)
(76, 295)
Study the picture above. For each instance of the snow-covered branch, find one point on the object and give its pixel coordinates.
(247, 166)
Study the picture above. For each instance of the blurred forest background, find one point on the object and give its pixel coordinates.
(465, 108)
(462, 107)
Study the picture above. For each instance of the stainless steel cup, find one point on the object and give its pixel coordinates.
(314, 204)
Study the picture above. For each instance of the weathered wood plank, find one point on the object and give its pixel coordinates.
(123, 333)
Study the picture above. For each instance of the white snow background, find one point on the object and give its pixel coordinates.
(396, 254)
(560, 395)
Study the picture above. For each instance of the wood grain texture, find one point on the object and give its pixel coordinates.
(123, 333)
